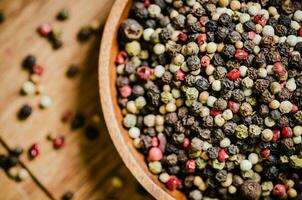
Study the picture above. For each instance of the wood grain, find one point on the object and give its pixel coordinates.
(83, 166)
(113, 116)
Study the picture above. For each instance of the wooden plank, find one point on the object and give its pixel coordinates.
(82, 166)
(12, 190)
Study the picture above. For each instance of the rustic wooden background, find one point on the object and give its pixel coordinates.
(82, 166)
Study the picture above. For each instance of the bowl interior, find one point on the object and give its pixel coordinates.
(112, 113)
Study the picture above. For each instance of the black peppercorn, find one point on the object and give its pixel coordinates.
(63, 14)
(193, 63)
(72, 71)
(271, 173)
(16, 152)
(91, 132)
(24, 112)
(84, 33)
(67, 195)
(250, 190)
(29, 62)
(78, 121)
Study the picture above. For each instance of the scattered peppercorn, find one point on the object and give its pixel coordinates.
(85, 33)
(78, 121)
(91, 132)
(72, 71)
(63, 14)
(67, 195)
(25, 112)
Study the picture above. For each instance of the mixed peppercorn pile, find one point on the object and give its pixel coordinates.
(210, 91)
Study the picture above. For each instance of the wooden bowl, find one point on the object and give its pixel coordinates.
(108, 94)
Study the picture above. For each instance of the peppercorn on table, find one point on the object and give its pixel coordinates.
(86, 166)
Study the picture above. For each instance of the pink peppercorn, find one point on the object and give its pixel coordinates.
(38, 69)
(240, 54)
(121, 58)
(222, 155)
(186, 143)
(265, 153)
(58, 142)
(191, 166)
(286, 132)
(276, 136)
(201, 38)
(279, 69)
(180, 75)
(145, 72)
(34, 151)
(45, 29)
(233, 106)
(125, 91)
(279, 190)
(182, 37)
(294, 108)
(203, 20)
(215, 112)
(155, 154)
(300, 32)
(205, 61)
(260, 19)
(154, 142)
(173, 183)
(234, 74)
(251, 35)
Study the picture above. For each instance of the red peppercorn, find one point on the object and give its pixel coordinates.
(234, 74)
(45, 29)
(125, 91)
(279, 69)
(182, 37)
(265, 153)
(276, 136)
(147, 3)
(34, 151)
(251, 35)
(180, 75)
(201, 38)
(222, 155)
(300, 32)
(191, 166)
(279, 190)
(38, 69)
(154, 142)
(66, 116)
(240, 54)
(294, 108)
(259, 19)
(121, 58)
(215, 112)
(205, 61)
(155, 154)
(58, 142)
(286, 132)
(145, 72)
(233, 106)
(186, 143)
(173, 183)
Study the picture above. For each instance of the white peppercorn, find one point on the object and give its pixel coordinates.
(134, 132)
(285, 106)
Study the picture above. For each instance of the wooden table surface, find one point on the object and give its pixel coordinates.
(83, 166)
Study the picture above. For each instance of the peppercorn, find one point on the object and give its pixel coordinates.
(78, 121)
(63, 14)
(24, 112)
(84, 33)
(67, 195)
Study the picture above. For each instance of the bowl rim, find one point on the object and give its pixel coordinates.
(111, 121)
